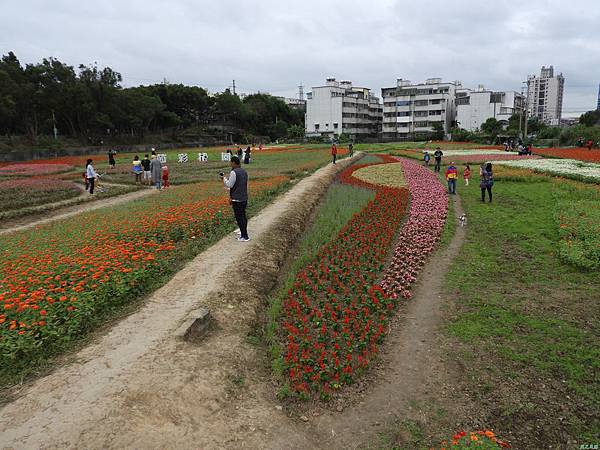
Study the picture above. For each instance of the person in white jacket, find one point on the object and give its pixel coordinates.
(91, 175)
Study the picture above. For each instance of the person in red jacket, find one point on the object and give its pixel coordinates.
(334, 152)
(451, 176)
(165, 177)
(590, 144)
(467, 174)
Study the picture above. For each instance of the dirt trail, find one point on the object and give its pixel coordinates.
(26, 222)
(140, 387)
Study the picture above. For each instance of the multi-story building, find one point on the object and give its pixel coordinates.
(474, 107)
(339, 107)
(598, 107)
(545, 96)
(410, 110)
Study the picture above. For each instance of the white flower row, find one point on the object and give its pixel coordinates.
(558, 167)
(468, 152)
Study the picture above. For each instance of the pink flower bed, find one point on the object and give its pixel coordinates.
(476, 159)
(34, 169)
(421, 232)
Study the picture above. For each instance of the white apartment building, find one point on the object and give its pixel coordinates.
(545, 96)
(338, 107)
(410, 110)
(474, 107)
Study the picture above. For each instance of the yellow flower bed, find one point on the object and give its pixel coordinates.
(382, 174)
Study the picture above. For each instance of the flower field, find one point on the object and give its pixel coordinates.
(484, 158)
(59, 280)
(568, 168)
(382, 174)
(336, 313)
(422, 231)
(581, 154)
(29, 169)
(21, 193)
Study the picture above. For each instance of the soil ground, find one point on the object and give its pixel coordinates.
(140, 387)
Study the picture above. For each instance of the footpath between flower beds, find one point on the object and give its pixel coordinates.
(336, 313)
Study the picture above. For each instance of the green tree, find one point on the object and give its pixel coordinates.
(590, 118)
(491, 127)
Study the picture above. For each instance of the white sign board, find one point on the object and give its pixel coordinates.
(182, 157)
(203, 157)
(225, 156)
(162, 158)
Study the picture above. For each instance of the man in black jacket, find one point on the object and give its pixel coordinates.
(237, 182)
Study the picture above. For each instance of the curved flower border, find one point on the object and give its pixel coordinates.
(420, 233)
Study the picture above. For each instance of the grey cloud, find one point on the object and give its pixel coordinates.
(273, 45)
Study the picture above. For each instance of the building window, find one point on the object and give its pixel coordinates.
(326, 125)
(335, 126)
(421, 124)
(316, 126)
(463, 101)
(403, 103)
(421, 102)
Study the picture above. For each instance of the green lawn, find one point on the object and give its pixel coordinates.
(526, 320)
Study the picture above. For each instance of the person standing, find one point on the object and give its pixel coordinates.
(486, 181)
(156, 169)
(438, 159)
(467, 174)
(137, 169)
(91, 175)
(237, 182)
(334, 152)
(111, 158)
(147, 177)
(351, 148)
(451, 176)
(165, 176)
(427, 158)
(247, 156)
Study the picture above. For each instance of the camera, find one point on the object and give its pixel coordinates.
(221, 174)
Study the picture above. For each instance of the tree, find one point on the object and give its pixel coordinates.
(590, 118)
(438, 131)
(492, 127)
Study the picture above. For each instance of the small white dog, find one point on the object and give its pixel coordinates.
(463, 220)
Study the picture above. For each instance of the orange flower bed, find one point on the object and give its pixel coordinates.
(582, 154)
(58, 280)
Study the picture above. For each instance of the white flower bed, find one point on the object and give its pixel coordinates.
(469, 152)
(570, 168)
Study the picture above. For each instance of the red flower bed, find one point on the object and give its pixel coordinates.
(335, 314)
(34, 169)
(582, 154)
(420, 234)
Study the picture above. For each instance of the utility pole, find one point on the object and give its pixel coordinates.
(526, 111)
(54, 126)
(233, 87)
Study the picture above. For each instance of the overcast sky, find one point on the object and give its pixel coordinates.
(275, 45)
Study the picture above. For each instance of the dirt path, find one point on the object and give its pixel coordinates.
(26, 222)
(140, 387)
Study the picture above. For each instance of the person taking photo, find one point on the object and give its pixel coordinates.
(237, 182)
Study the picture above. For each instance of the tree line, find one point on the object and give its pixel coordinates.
(90, 105)
(494, 131)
